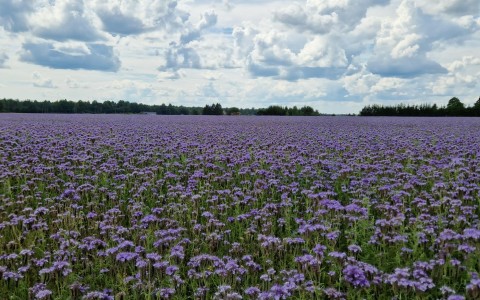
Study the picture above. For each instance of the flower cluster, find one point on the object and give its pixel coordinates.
(182, 207)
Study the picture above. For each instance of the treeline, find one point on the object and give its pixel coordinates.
(454, 108)
(214, 109)
(94, 107)
(125, 107)
(275, 110)
(107, 107)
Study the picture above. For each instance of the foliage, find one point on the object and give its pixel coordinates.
(275, 110)
(94, 107)
(125, 107)
(214, 109)
(454, 108)
(232, 111)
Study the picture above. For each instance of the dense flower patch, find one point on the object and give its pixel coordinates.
(150, 207)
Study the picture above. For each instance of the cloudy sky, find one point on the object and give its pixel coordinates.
(335, 55)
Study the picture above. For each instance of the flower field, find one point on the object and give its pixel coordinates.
(195, 207)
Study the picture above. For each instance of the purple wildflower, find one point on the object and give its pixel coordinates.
(355, 276)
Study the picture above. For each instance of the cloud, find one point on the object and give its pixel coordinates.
(116, 23)
(74, 84)
(66, 20)
(3, 60)
(363, 82)
(243, 37)
(181, 57)
(461, 77)
(184, 53)
(227, 5)
(296, 73)
(299, 17)
(460, 7)
(208, 91)
(284, 55)
(42, 82)
(452, 84)
(207, 20)
(212, 76)
(320, 52)
(133, 90)
(317, 39)
(270, 49)
(136, 17)
(14, 14)
(405, 66)
(264, 92)
(454, 8)
(170, 75)
(321, 16)
(92, 57)
(401, 45)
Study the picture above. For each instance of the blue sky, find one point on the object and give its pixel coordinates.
(335, 55)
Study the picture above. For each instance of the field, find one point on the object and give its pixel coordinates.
(192, 207)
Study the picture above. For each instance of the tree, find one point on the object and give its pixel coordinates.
(476, 108)
(455, 107)
(307, 111)
(217, 109)
(182, 110)
(232, 111)
(207, 110)
(477, 104)
(214, 109)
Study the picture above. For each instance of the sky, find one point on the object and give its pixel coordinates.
(334, 55)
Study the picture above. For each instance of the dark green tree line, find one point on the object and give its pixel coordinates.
(214, 109)
(124, 107)
(94, 107)
(454, 108)
(276, 110)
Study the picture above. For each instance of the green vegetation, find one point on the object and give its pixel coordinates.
(214, 109)
(285, 111)
(454, 108)
(125, 107)
(94, 107)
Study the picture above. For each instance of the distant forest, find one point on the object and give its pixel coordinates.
(125, 107)
(454, 108)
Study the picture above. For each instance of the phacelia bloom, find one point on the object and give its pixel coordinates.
(355, 276)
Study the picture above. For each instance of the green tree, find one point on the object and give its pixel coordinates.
(455, 107)
(476, 108)
(214, 109)
(273, 110)
(217, 109)
(307, 111)
(207, 110)
(232, 111)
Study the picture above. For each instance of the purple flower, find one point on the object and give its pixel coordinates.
(43, 294)
(166, 293)
(177, 251)
(126, 256)
(355, 276)
(40, 291)
(252, 291)
(339, 255)
(307, 260)
(354, 248)
(332, 293)
(170, 270)
(96, 295)
(456, 297)
(319, 250)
